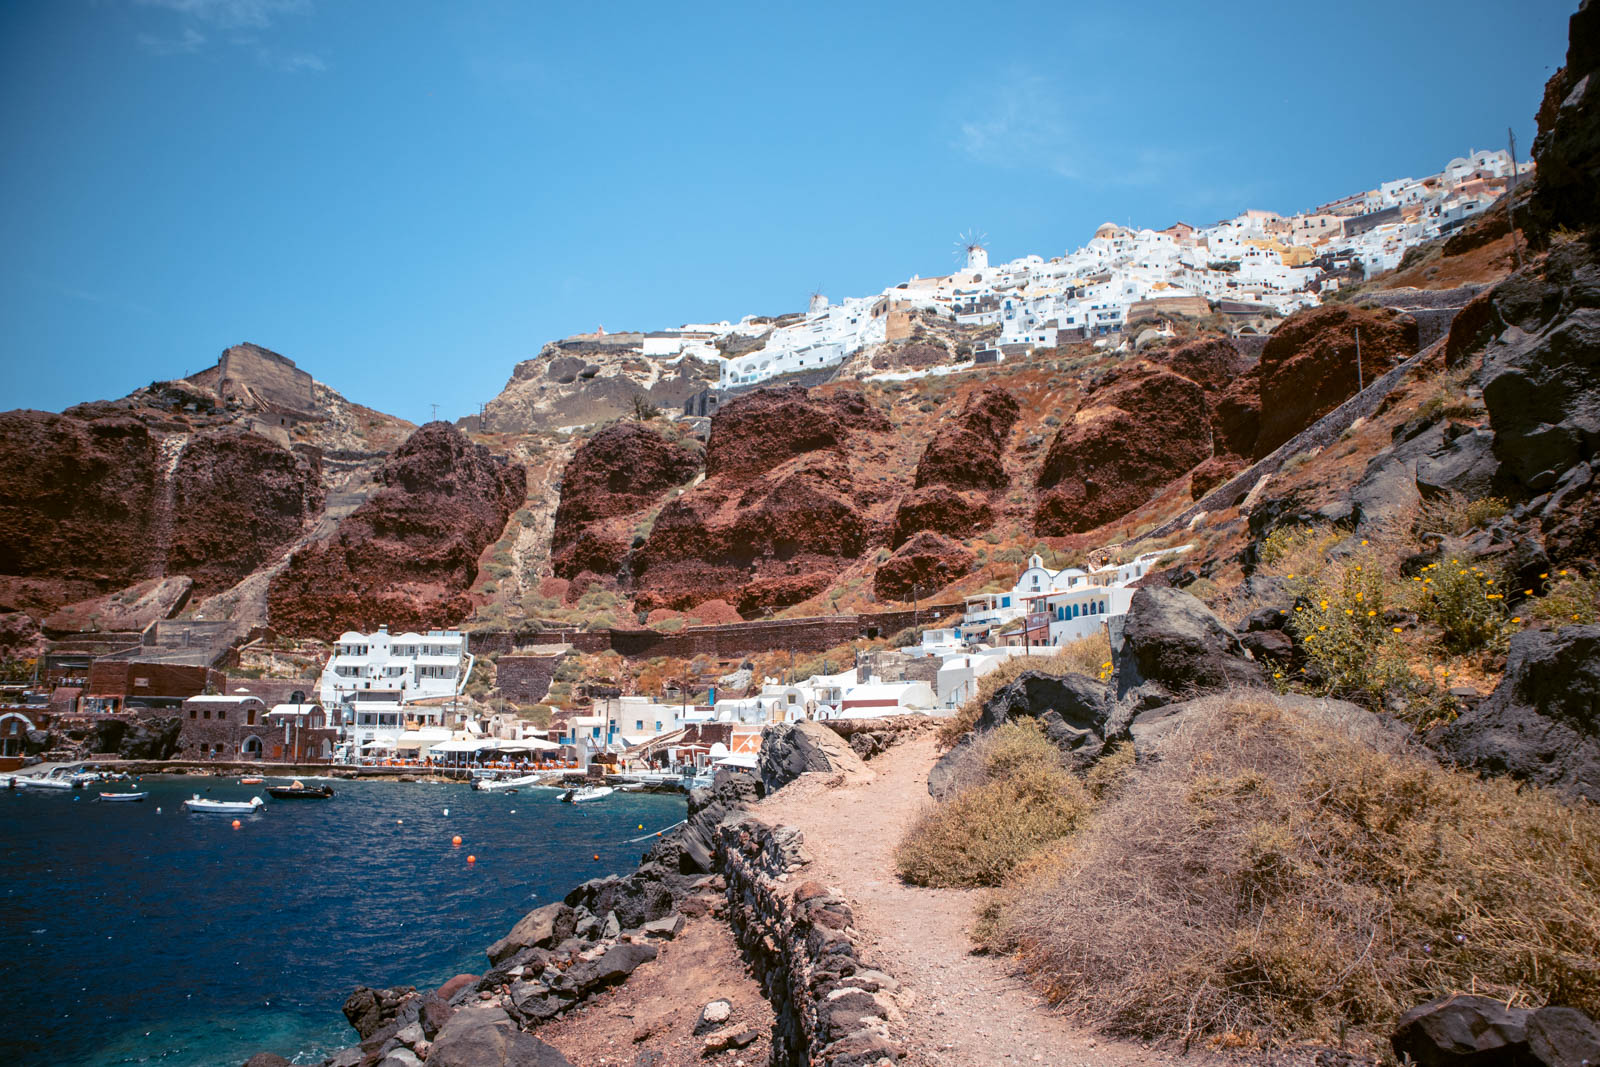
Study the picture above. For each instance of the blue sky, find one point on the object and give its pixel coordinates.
(408, 198)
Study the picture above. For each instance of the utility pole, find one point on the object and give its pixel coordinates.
(1360, 385)
(435, 408)
(1511, 186)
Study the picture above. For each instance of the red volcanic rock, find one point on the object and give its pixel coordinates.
(19, 635)
(407, 556)
(761, 430)
(1125, 443)
(620, 471)
(1236, 415)
(955, 512)
(1308, 367)
(959, 470)
(78, 498)
(966, 452)
(238, 501)
(768, 544)
(1213, 472)
(922, 566)
(714, 613)
(1213, 364)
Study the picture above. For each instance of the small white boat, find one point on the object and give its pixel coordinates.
(26, 782)
(223, 807)
(123, 797)
(501, 785)
(587, 793)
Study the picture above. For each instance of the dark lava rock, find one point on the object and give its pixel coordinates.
(266, 1059)
(1563, 1037)
(1073, 710)
(789, 750)
(1463, 1030)
(1466, 465)
(618, 962)
(486, 1037)
(1542, 722)
(153, 739)
(368, 1010)
(1567, 148)
(541, 927)
(1171, 638)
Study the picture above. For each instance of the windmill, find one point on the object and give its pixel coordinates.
(974, 246)
(818, 302)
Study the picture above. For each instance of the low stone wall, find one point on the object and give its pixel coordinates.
(871, 737)
(832, 1009)
(525, 679)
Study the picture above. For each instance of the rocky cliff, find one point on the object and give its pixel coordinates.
(580, 381)
(408, 556)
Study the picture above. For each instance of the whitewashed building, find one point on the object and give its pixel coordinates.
(378, 686)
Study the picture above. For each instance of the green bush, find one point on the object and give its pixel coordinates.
(1466, 602)
(1350, 649)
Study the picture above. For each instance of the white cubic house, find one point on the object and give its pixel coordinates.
(378, 686)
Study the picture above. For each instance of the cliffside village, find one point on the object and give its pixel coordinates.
(401, 698)
(1257, 265)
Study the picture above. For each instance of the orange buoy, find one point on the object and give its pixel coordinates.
(597, 855)
(236, 824)
(456, 840)
(472, 859)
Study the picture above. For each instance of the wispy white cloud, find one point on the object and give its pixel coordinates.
(189, 41)
(290, 62)
(244, 24)
(1023, 120)
(232, 14)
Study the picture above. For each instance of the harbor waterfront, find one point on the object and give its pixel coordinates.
(142, 934)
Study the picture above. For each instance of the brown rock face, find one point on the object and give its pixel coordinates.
(775, 521)
(1213, 364)
(619, 472)
(1126, 441)
(1236, 415)
(1213, 472)
(1568, 146)
(923, 565)
(77, 498)
(760, 430)
(407, 556)
(1308, 367)
(238, 501)
(960, 469)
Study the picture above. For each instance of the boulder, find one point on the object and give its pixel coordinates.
(1563, 1037)
(1125, 443)
(922, 566)
(1463, 1031)
(1466, 466)
(612, 967)
(1308, 366)
(1543, 394)
(266, 1059)
(369, 1010)
(541, 927)
(485, 1037)
(1073, 710)
(1171, 638)
(1542, 722)
(789, 750)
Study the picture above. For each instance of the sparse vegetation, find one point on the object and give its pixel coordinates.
(1573, 599)
(1466, 602)
(1023, 799)
(1271, 879)
(1455, 514)
(1091, 656)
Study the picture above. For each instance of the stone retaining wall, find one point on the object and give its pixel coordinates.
(832, 1009)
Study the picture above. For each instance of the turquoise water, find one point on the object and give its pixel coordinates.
(138, 936)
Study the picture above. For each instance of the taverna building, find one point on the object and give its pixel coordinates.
(1057, 607)
(379, 685)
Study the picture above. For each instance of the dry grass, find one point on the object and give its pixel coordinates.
(1269, 879)
(1090, 655)
(1020, 797)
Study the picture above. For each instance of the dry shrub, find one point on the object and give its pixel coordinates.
(1454, 514)
(1089, 655)
(1271, 878)
(1019, 798)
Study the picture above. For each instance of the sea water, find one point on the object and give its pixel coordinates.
(136, 933)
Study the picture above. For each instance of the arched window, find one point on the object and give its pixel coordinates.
(251, 746)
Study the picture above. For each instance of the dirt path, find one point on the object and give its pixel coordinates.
(961, 1009)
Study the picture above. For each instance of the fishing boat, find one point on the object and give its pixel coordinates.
(298, 790)
(504, 785)
(586, 793)
(223, 807)
(123, 797)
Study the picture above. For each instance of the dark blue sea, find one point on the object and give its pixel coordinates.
(138, 934)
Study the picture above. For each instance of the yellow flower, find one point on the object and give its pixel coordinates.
(1527, 592)
(1416, 579)
(1360, 596)
(1488, 581)
(1545, 575)
(1324, 605)
(1348, 611)
(1363, 541)
(1370, 614)
(1277, 674)
(1397, 629)
(1516, 618)
(1324, 627)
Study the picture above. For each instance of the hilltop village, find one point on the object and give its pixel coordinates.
(1257, 265)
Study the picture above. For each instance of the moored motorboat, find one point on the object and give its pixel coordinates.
(502, 785)
(123, 797)
(298, 790)
(586, 793)
(223, 807)
(27, 782)
(251, 781)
